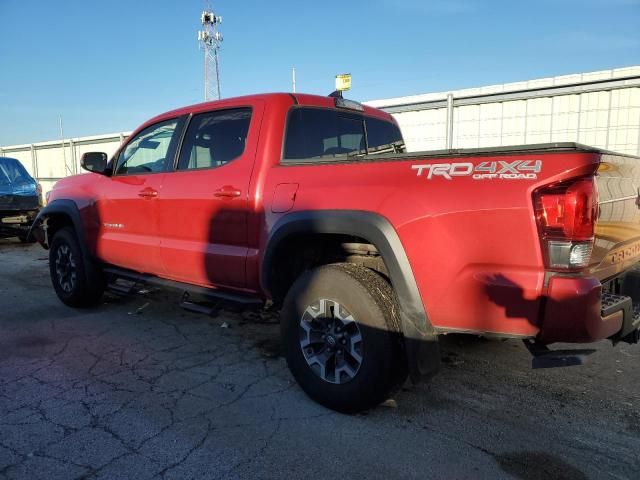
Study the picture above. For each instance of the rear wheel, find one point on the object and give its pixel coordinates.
(342, 339)
(77, 282)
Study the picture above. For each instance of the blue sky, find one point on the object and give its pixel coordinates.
(108, 66)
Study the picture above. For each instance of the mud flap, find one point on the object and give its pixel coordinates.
(423, 352)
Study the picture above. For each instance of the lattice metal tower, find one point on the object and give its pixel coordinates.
(210, 40)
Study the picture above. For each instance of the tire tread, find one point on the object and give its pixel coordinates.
(386, 370)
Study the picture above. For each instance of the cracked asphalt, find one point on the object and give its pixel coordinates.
(139, 388)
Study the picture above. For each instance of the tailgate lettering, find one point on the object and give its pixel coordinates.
(624, 254)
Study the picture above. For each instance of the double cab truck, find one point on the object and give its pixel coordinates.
(371, 253)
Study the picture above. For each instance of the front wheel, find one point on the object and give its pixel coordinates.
(340, 330)
(77, 282)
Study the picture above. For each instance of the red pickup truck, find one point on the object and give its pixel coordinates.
(312, 203)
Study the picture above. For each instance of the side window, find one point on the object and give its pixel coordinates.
(214, 139)
(383, 136)
(150, 151)
(323, 133)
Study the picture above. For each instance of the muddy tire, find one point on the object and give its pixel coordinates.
(341, 336)
(77, 282)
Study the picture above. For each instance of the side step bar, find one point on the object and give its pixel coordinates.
(209, 293)
(543, 357)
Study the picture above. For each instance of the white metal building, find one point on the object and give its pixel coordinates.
(601, 109)
(48, 162)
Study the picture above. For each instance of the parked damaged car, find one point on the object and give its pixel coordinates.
(20, 199)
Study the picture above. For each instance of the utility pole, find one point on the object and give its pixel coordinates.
(210, 40)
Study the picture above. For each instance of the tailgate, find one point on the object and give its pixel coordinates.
(617, 232)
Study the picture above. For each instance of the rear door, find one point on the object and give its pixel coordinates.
(202, 219)
(128, 202)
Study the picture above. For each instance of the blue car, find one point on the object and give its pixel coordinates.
(20, 199)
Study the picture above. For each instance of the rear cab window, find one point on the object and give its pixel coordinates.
(324, 134)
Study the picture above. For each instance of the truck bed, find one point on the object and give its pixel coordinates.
(557, 147)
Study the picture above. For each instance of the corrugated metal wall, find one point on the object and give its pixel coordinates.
(50, 161)
(601, 109)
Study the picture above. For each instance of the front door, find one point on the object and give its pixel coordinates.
(203, 210)
(127, 206)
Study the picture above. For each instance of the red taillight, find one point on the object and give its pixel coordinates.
(566, 214)
(582, 209)
(567, 211)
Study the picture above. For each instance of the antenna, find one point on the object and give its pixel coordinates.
(293, 78)
(64, 155)
(210, 40)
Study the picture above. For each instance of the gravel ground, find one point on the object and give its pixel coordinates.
(139, 388)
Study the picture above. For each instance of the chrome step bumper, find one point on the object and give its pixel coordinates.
(614, 307)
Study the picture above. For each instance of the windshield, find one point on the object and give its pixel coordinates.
(12, 172)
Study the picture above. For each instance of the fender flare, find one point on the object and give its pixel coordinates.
(67, 208)
(421, 343)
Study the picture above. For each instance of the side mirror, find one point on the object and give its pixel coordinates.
(95, 162)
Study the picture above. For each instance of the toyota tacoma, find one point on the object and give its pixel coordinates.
(372, 253)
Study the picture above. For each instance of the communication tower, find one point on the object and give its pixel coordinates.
(210, 40)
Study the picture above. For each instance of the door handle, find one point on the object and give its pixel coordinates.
(148, 193)
(227, 192)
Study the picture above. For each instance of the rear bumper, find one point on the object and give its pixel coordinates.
(583, 310)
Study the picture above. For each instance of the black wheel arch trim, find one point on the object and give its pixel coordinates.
(420, 337)
(70, 209)
(67, 208)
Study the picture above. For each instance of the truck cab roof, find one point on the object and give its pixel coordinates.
(285, 100)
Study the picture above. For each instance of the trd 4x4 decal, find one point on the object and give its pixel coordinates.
(501, 169)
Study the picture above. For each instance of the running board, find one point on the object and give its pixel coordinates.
(211, 310)
(543, 357)
(209, 293)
